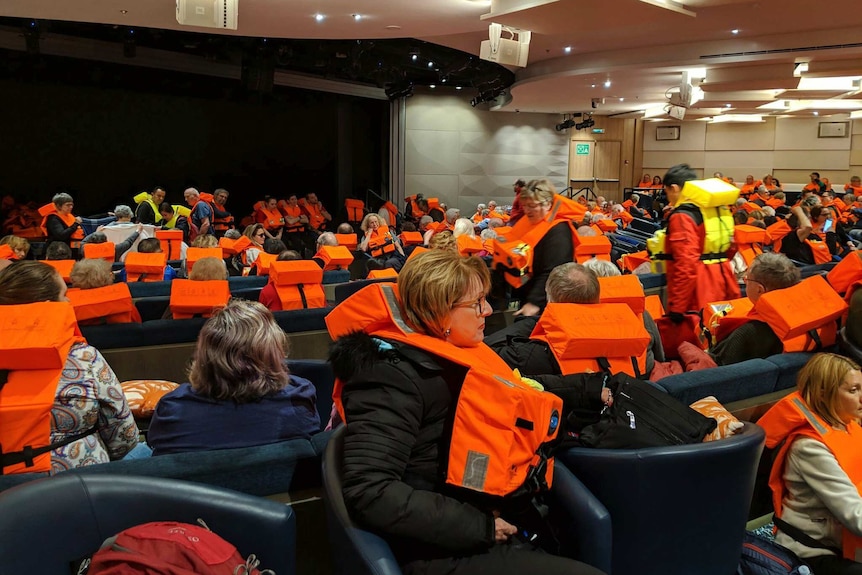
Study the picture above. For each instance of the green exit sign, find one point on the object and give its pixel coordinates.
(582, 149)
(598, 130)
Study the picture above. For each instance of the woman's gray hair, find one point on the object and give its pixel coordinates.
(62, 198)
(91, 274)
(463, 227)
(123, 211)
(602, 268)
(240, 354)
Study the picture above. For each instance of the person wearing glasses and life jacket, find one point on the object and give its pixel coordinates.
(58, 222)
(416, 388)
(817, 472)
(378, 242)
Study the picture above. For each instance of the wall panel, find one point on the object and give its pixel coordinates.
(692, 136)
(729, 136)
(801, 134)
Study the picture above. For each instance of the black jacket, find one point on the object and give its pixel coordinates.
(397, 402)
(58, 231)
(553, 249)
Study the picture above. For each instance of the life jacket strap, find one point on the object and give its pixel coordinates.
(28, 454)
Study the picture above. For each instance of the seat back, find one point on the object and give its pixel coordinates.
(89, 509)
(354, 550)
(318, 372)
(675, 510)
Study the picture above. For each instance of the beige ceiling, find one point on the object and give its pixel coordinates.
(640, 48)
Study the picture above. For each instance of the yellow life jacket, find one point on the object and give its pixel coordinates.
(147, 198)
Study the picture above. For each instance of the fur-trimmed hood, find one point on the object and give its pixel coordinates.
(353, 353)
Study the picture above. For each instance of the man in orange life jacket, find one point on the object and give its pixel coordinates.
(755, 339)
(222, 219)
(318, 217)
(691, 283)
(202, 212)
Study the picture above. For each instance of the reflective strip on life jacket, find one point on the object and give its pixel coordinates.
(195, 254)
(103, 251)
(501, 428)
(171, 242)
(792, 418)
(141, 267)
(113, 303)
(298, 284)
(334, 257)
(594, 337)
(198, 298)
(36, 340)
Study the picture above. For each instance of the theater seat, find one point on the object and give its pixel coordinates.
(675, 510)
(47, 524)
(318, 372)
(848, 348)
(584, 524)
(344, 291)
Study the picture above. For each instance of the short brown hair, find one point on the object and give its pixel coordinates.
(205, 241)
(818, 382)
(431, 283)
(91, 274)
(774, 271)
(240, 354)
(16, 243)
(444, 240)
(206, 269)
(28, 282)
(572, 283)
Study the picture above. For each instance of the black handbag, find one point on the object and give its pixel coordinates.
(644, 416)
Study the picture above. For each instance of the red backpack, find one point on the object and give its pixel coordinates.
(171, 548)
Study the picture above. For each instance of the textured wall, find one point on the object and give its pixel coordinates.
(465, 156)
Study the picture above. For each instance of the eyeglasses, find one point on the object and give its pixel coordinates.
(534, 206)
(748, 278)
(478, 305)
(260, 235)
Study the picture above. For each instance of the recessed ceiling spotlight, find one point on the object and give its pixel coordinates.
(607, 83)
(432, 86)
(592, 85)
(457, 87)
(727, 105)
(735, 31)
(319, 17)
(124, 11)
(414, 57)
(443, 80)
(430, 64)
(393, 27)
(622, 99)
(567, 49)
(357, 17)
(816, 113)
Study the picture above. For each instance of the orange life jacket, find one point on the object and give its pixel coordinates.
(171, 242)
(804, 317)
(630, 262)
(222, 224)
(108, 304)
(606, 225)
(777, 231)
(103, 251)
(415, 211)
(624, 217)
(315, 214)
(721, 318)
(847, 272)
(380, 242)
(774, 203)
(411, 239)
(501, 427)
(355, 210)
(68, 219)
(271, 219)
(384, 273)
(468, 246)
(63, 267)
(514, 250)
(195, 254)
(792, 418)
(625, 289)
(587, 247)
(819, 249)
(263, 261)
(198, 298)
(594, 337)
(298, 284)
(477, 218)
(142, 267)
(334, 257)
(291, 212)
(750, 241)
(347, 240)
(393, 212)
(231, 247)
(652, 304)
(36, 340)
(416, 251)
(6, 253)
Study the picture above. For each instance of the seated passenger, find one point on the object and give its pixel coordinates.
(58, 251)
(206, 269)
(398, 378)
(89, 406)
(257, 234)
(816, 473)
(240, 392)
(269, 295)
(20, 246)
(58, 223)
(755, 339)
(152, 246)
(93, 274)
(205, 241)
(98, 237)
(378, 241)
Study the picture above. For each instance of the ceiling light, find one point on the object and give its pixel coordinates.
(738, 118)
(567, 49)
(393, 27)
(319, 17)
(457, 87)
(430, 64)
(432, 86)
(124, 11)
(839, 83)
(727, 105)
(622, 99)
(816, 113)
(735, 31)
(670, 5)
(443, 80)
(607, 83)
(592, 85)
(357, 17)
(414, 57)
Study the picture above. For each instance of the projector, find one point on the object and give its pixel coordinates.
(512, 51)
(676, 112)
(208, 13)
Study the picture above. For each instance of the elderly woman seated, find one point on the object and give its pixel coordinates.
(90, 420)
(240, 392)
(20, 246)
